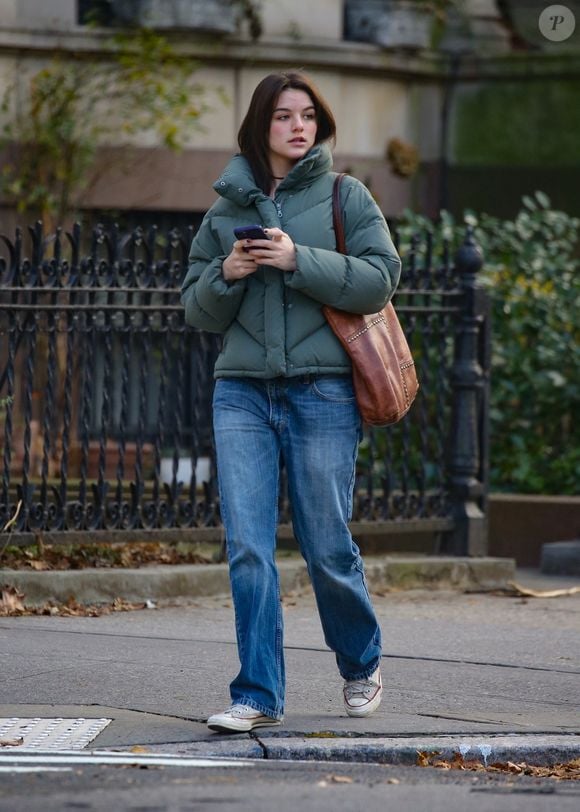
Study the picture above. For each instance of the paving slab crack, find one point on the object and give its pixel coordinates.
(261, 745)
(480, 662)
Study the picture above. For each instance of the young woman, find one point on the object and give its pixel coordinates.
(283, 385)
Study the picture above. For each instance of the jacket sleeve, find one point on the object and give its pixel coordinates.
(363, 280)
(210, 302)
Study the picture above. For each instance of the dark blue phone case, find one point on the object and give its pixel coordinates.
(250, 233)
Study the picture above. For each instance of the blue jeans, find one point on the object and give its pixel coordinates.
(313, 424)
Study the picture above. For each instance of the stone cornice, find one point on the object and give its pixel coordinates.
(354, 58)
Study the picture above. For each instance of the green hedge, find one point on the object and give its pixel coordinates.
(532, 269)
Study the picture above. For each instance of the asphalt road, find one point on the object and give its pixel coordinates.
(283, 787)
(455, 664)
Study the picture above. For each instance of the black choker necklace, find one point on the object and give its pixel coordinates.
(276, 178)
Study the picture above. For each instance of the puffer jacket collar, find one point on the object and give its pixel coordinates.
(238, 185)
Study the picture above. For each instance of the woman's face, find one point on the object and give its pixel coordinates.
(292, 130)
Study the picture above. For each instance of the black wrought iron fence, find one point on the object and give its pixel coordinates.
(106, 396)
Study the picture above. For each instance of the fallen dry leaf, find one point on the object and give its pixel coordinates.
(393, 781)
(568, 771)
(138, 748)
(39, 565)
(322, 734)
(424, 759)
(11, 604)
(11, 601)
(11, 521)
(443, 765)
(518, 590)
(12, 742)
(340, 779)
(41, 556)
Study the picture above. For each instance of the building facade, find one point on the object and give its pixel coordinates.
(487, 113)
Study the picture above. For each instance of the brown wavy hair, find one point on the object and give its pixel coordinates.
(253, 135)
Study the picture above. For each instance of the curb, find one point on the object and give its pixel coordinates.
(539, 750)
(561, 558)
(92, 585)
(190, 581)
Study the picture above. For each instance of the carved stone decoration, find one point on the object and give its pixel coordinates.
(389, 23)
(212, 16)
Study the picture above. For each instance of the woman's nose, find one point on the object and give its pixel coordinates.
(298, 123)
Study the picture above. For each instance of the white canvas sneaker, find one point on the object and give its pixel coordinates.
(363, 696)
(240, 719)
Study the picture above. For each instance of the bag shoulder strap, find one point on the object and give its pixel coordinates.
(337, 214)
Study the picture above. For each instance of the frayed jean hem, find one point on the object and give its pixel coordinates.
(251, 703)
(368, 672)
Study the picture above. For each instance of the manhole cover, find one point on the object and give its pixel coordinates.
(51, 734)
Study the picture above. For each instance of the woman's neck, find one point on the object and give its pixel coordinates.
(279, 173)
(279, 167)
(275, 183)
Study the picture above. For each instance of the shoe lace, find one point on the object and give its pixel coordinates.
(236, 710)
(359, 687)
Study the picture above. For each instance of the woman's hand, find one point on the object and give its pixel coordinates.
(279, 251)
(239, 263)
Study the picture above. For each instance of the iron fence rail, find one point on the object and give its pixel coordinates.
(107, 394)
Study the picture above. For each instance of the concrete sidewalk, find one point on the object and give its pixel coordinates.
(488, 676)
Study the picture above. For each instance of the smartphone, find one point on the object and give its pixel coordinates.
(250, 233)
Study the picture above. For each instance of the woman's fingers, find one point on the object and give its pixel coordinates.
(279, 251)
(255, 244)
(239, 263)
(275, 233)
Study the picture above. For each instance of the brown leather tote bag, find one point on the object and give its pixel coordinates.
(383, 370)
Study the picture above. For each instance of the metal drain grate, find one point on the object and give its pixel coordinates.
(52, 734)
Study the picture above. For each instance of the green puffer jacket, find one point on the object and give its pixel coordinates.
(272, 319)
